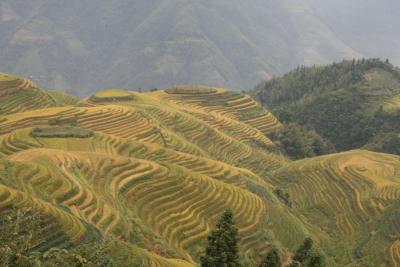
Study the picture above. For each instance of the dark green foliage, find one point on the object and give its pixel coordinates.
(222, 249)
(63, 122)
(316, 261)
(126, 98)
(58, 257)
(18, 228)
(20, 231)
(310, 81)
(387, 142)
(299, 142)
(96, 253)
(61, 132)
(341, 102)
(272, 259)
(306, 255)
(284, 197)
(392, 144)
(387, 139)
(304, 251)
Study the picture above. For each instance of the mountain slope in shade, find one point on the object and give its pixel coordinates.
(368, 26)
(87, 45)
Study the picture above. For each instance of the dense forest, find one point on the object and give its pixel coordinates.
(351, 104)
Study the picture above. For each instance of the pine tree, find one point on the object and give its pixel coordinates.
(272, 259)
(303, 253)
(307, 256)
(316, 261)
(222, 249)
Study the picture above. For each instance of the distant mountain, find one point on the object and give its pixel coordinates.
(369, 26)
(86, 45)
(352, 104)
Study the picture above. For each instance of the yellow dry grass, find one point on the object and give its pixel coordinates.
(392, 105)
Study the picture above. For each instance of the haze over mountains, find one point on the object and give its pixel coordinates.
(82, 46)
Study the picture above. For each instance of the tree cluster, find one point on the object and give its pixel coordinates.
(299, 142)
(336, 105)
(20, 229)
(222, 249)
(307, 256)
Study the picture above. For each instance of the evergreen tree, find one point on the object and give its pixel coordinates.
(295, 264)
(272, 259)
(316, 261)
(222, 249)
(303, 253)
(307, 256)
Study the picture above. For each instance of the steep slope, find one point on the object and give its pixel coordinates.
(149, 174)
(163, 42)
(370, 23)
(145, 189)
(149, 171)
(19, 94)
(148, 118)
(353, 197)
(352, 104)
(161, 176)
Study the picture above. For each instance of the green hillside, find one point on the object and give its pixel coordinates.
(351, 104)
(123, 178)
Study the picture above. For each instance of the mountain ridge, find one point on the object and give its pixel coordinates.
(352, 104)
(162, 43)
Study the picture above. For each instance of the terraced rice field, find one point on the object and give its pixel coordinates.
(116, 120)
(98, 189)
(224, 103)
(148, 167)
(62, 228)
(344, 194)
(235, 142)
(63, 99)
(19, 94)
(158, 169)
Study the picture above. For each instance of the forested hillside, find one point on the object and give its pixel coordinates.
(352, 104)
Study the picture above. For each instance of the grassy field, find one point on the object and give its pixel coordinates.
(152, 172)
